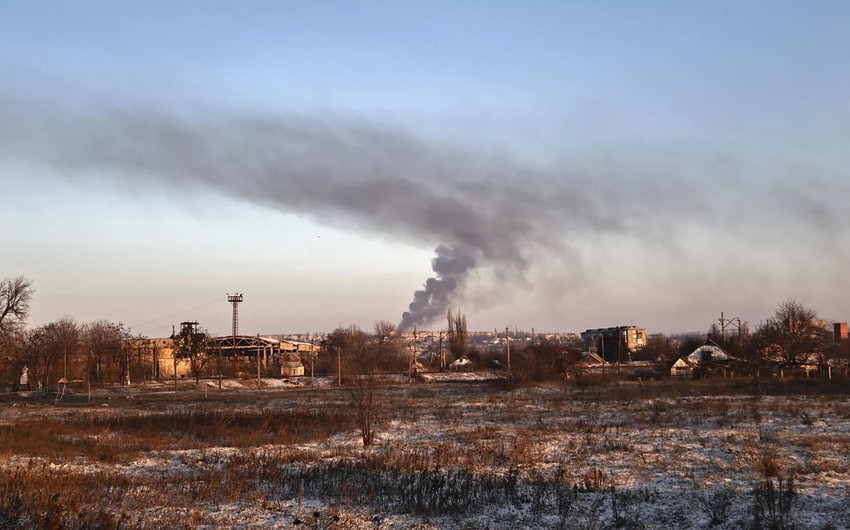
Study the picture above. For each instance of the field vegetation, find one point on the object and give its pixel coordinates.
(445, 454)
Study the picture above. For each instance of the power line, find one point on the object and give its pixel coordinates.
(211, 302)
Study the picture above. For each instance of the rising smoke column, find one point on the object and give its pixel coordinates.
(481, 212)
(451, 267)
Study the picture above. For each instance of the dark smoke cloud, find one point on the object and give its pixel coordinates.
(480, 212)
(451, 267)
(695, 224)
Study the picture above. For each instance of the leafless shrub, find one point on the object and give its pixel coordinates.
(590, 425)
(596, 480)
(773, 502)
(771, 463)
(806, 418)
(717, 503)
(565, 500)
(659, 407)
(614, 443)
(756, 416)
(721, 411)
(628, 506)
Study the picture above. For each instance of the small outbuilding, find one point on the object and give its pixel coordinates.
(291, 368)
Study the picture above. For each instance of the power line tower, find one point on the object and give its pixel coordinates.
(730, 324)
(234, 299)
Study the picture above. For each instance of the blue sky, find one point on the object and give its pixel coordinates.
(727, 121)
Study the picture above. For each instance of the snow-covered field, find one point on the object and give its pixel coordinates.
(451, 452)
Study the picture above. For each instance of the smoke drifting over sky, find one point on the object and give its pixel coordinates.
(491, 217)
(561, 165)
(489, 214)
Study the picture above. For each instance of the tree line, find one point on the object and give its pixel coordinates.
(97, 352)
(101, 352)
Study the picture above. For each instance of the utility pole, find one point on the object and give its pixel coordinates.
(155, 366)
(508, 348)
(258, 362)
(440, 353)
(601, 338)
(412, 358)
(88, 373)
(338, 367)
(619, 348)
(174, 349)
(312, 362)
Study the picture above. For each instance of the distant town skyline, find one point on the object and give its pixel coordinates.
(548, 165)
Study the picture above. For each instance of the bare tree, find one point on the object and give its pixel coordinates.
(363, 386)
(795, 332)
(658, 347)
(141, 351)
(191, 344)
(543, 361)
(340, 344)
(106, 345)
(47, 349)
(390, 347)
(384, 330)
(15, 296)
(457, 334)
(35, 354)
(67, 337)
(13, 357)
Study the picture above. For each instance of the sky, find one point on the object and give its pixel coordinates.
(548, 165)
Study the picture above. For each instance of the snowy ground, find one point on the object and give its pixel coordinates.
(456, 452)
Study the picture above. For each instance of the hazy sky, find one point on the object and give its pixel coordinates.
(573, 165)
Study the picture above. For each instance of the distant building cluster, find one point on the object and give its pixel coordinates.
(621, 349)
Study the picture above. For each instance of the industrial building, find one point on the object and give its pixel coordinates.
(222, 355)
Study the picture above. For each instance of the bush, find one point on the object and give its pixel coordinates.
(773, 501)
(715, 504)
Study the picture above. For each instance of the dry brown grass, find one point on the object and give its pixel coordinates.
(122, 437)
(549, 450)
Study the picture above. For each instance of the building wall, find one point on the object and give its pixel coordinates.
(153, 352)
(291, 369)
(166, 368)
(633, 337)
(840, 331)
